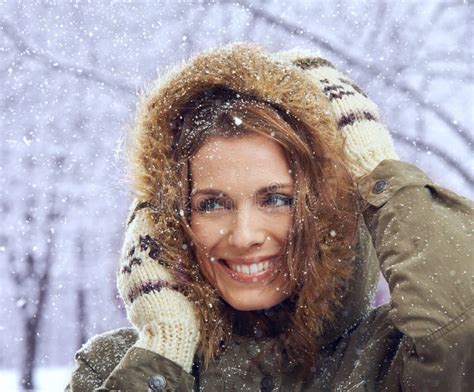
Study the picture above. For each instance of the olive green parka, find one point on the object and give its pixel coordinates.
(419, 235)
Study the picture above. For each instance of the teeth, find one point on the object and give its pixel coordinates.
(250, 268)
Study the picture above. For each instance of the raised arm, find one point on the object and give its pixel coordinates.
(422, 233)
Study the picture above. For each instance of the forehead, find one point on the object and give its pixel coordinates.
(244, 163)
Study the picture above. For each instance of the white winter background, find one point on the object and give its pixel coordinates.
(70, 75)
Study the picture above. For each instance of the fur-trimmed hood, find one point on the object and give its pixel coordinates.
(290, 80)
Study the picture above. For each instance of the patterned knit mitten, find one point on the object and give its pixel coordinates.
(367, 141)
(164, 317)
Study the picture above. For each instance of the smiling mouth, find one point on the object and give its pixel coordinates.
(251, 273)
(248, 269)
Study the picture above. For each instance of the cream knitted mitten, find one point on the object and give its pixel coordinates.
(164, 317)
(367, 141)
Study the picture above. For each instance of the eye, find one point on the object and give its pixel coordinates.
(276, 200)
(211, 204)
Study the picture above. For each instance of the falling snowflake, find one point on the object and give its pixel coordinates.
(237, 121)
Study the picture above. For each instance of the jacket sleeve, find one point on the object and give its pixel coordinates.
(141, 370)
(422, 233)
(84, 378)
(110, 362)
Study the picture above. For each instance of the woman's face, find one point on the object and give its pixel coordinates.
(241, 212)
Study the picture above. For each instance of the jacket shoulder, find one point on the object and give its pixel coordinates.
(103, 352)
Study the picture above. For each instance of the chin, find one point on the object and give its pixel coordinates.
(246, 305)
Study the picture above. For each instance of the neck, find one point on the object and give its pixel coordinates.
(262, 323)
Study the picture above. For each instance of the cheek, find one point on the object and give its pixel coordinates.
(279, 227)
(203, 231)
(206, 230)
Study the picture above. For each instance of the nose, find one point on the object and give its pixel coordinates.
(246, 229)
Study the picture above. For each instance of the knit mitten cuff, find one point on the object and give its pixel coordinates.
(168, 326)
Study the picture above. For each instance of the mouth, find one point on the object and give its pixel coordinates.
(261, 272)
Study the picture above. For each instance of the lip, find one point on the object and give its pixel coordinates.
(259, 277)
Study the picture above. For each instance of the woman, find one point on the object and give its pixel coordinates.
(267, 197)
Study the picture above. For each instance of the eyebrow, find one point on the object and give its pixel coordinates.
(217, 192)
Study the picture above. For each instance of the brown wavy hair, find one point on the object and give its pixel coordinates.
(319, 250)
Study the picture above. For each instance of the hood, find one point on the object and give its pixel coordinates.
(298, 82)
